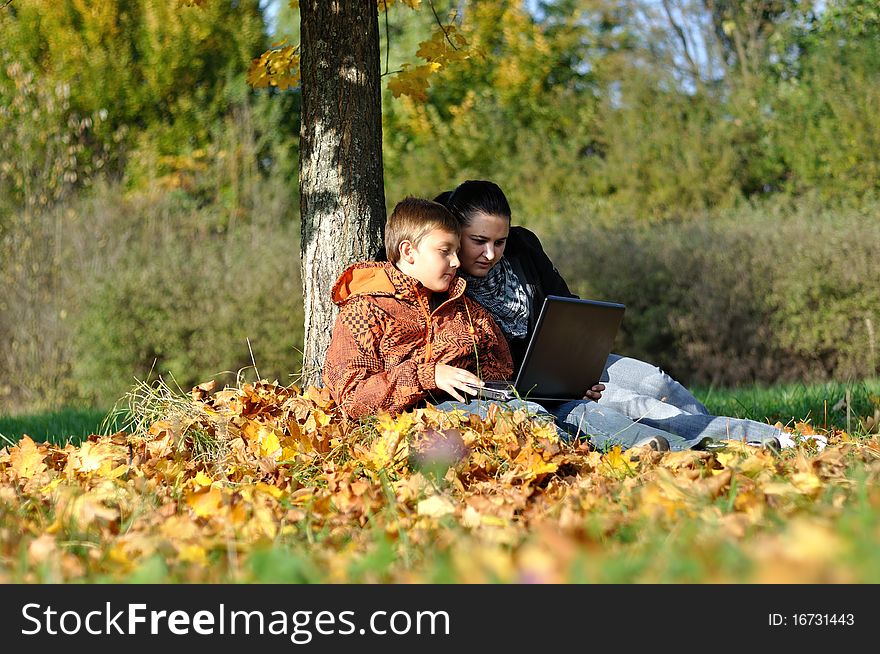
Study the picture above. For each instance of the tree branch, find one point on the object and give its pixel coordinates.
(437, 18)
(684, 44)
(387, 37)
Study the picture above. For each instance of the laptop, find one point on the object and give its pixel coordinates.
(566, 354)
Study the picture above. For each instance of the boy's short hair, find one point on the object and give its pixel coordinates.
(412, 220)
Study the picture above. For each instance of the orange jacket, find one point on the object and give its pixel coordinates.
(387, 342)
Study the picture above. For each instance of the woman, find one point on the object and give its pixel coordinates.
(508, 272)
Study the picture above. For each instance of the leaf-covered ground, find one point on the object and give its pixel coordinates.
(262, 482)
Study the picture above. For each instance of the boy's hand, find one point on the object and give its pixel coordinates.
(594, 393)
(452, 380)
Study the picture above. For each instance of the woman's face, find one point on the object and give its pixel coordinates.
(483, 243)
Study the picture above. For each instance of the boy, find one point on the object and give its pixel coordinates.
(405, 330)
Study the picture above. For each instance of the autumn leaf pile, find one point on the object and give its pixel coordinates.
(262, 482)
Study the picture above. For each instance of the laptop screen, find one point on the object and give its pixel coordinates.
(568, 349)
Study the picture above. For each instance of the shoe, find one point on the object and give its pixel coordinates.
(767, 443)
(656, 443)
(708, 444)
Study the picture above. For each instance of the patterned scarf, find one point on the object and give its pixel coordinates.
(502, 293)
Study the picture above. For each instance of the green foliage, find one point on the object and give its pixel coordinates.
(178, 277)
(826, 128)
(509, 112)
(667, 152)
(47, 149)
(586, 99)
(187, 304)
(142, 71)
(579, 109)
(764, 293)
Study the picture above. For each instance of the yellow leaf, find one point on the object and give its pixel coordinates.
(758, 464)
(171, 470)
(435, 506)
(87, 459)
(26, 459)
(713, 485)
(317, 419)
(445, 46)
(780, 489)
(96, 459)
(389, 425)
(118, 471)
(809, 539)
(471, 518)
(180, 528)
(391, 447)
(683, 459)
(201, 479)
(193, 554)
(278, 67)
(319, 396)
(51, 486)
(413, 81)
(533, 464)
(750, 502)
(727, 458)
(806, 482)
(264, 439)
(617, 463)
(206, 503)
(288, 454)
(87, 508)
(274, 491)
(269, 443)
(298, 440)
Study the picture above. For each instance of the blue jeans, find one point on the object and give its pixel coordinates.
(647, 395)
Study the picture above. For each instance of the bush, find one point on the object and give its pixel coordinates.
(765, 293)
(193, 309)
(105, 286)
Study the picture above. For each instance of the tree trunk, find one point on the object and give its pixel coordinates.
(341, 185)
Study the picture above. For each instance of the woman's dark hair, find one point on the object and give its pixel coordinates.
(475, 196)
(443, 198)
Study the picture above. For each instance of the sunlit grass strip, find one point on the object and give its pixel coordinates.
(65, 425)
(845, 405)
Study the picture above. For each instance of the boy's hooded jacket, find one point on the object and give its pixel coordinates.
(387, 342)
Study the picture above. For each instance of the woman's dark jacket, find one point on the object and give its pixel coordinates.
(538, 276)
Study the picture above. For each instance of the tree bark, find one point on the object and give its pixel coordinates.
(341, 180)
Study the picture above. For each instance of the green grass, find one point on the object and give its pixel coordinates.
(60, 427)
(823, 405)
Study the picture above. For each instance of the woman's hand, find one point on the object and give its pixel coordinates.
(452, 380)
(594, 393)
